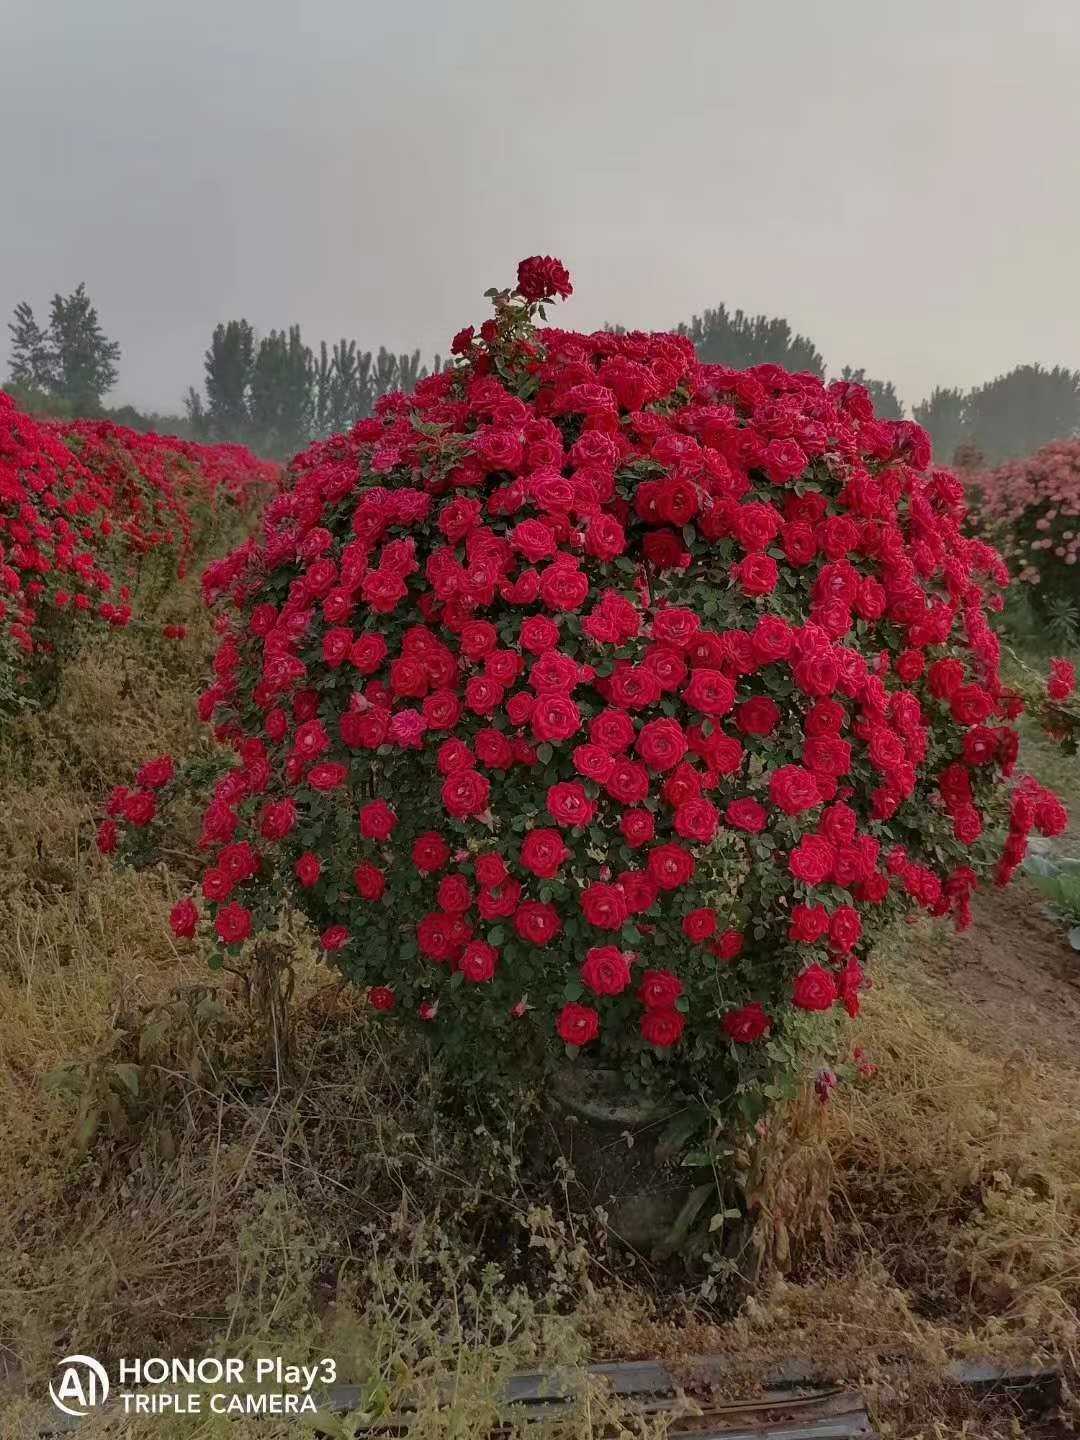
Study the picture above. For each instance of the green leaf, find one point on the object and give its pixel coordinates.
(695, 1159)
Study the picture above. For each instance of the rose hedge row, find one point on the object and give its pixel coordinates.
(592, 697)
(84, 507)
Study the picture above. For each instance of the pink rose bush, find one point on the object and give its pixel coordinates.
(1030, 508)
(592, 697)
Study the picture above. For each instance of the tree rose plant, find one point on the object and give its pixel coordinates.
(593, 699)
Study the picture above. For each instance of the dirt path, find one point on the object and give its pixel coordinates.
(1015, 974)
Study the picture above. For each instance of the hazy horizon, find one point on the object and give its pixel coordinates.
(901, 186)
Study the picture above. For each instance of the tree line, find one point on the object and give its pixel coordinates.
(276, 393)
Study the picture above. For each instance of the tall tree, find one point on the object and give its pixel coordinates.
(740, 340)
(348, 391)
(942, 415)
(322, 382)
(409, 370)
(281, 392)
(197, 417)
(887, 404)
(228, 365)
(1016, 413)
(31, 363)
(84, 359)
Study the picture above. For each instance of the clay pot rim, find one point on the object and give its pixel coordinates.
(569, 1079)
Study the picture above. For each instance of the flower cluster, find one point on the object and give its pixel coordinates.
(81, 504)
(164, 495)
(1030, 508)
(597, 695)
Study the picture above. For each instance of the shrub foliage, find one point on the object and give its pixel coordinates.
(593, 698)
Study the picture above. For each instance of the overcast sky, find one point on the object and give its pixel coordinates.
(899, 178)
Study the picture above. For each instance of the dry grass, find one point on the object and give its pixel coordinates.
(328, 1207)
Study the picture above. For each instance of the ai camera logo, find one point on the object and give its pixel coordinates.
(81, 1386)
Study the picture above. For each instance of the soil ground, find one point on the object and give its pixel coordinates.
(1013, 973)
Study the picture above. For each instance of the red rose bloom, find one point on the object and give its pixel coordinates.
(628, 783)
(277, 819)
(809, 923)
(434, 937)
(793, 789)
(747, 1024)
(538, 634)
(659, 989)
(675, 625)
(542, 277)
(612, 730)
(662, 1028)
(382, 998)
(699, 924)
(697, 820)
(156, 773)
(670, 866)
(377, 821)
(232, 923)
(710, 692)
(536, 922)
(746, 815)
(604, 906)
(606, 970)
(563, 587)
(368, 653)
(757, 716)
(478, 961)
(568, 804)
(578, 1024)
(637, 826)
(308, 869)
(496, 902)
(729, 946)
(490, 870)
(812, 860)
(430, 852)
(465, 792)
(554, 717)
(815, 989)
(640, 890)
(1059, 687)
(369, 880)
(661, 744)
(139, 808)
(327, 776)
(184, 917)
(543, 853)
(756, 574)
(454, 894)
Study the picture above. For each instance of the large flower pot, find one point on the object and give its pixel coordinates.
(612, 1140)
